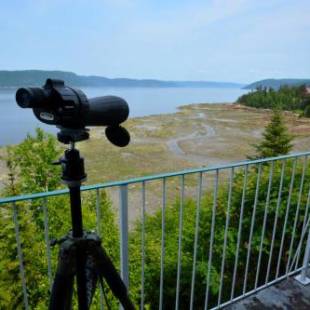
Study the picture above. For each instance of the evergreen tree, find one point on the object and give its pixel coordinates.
(33, 160)
(276, 139)
(29, 170)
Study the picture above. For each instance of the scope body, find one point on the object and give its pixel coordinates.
(57, 104)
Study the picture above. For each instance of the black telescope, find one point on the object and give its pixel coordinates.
(69, 109)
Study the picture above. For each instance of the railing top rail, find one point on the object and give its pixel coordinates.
(13, 199)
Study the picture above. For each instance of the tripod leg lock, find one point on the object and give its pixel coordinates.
(68, 250)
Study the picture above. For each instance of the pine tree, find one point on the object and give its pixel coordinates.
(276, 138)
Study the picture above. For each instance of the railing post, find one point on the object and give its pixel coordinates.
(20, 256)
(98, 218)
(123, 196)
(47, 243)
(302, 277)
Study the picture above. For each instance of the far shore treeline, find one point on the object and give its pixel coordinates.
(37, 78)
(20, 78)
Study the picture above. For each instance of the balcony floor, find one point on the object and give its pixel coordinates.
(287, 294)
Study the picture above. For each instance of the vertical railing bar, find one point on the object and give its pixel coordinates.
(98, 213)
(302, 277)
(303, 229)
(239, 232)
(98, 217)
(142, 245)
(286, 216)
(124, 233)
(47, 243)
(264, 224)
(303, 233)
(180, 242)
(20, 256)
(252, 228)
(162, 258)
(275, 221)
(225, 235)
(196, 239)
(211, 238)
(296, 214)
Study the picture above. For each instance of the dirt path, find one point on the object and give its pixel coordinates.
(204, 132)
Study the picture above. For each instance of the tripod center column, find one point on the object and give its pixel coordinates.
(73, 174)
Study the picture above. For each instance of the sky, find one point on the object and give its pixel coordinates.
(213, 40)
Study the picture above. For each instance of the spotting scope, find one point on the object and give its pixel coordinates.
(81, 254)
(69, 109)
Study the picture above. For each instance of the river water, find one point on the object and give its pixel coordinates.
(15, 122)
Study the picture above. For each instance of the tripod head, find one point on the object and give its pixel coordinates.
(71, 111)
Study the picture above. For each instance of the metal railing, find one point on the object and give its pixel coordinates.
(200, 238)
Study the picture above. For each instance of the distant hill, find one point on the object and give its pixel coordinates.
(38, 77)
(277, 83)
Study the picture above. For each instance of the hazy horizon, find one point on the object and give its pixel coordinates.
(120, 77)
(152, 78)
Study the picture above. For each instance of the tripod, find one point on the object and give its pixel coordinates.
(81, 254)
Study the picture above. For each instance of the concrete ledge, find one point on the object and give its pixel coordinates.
(288, 294)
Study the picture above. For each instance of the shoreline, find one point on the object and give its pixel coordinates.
(195, 135)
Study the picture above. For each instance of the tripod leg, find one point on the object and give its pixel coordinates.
(81, 280)
(61, 297)
(74, 259)
(107, 270)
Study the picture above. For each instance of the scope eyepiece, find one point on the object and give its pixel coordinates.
(30, 97)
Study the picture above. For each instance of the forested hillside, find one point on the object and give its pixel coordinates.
(277, 83)
(285, 98)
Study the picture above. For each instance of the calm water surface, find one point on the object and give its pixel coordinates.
(15, 122)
